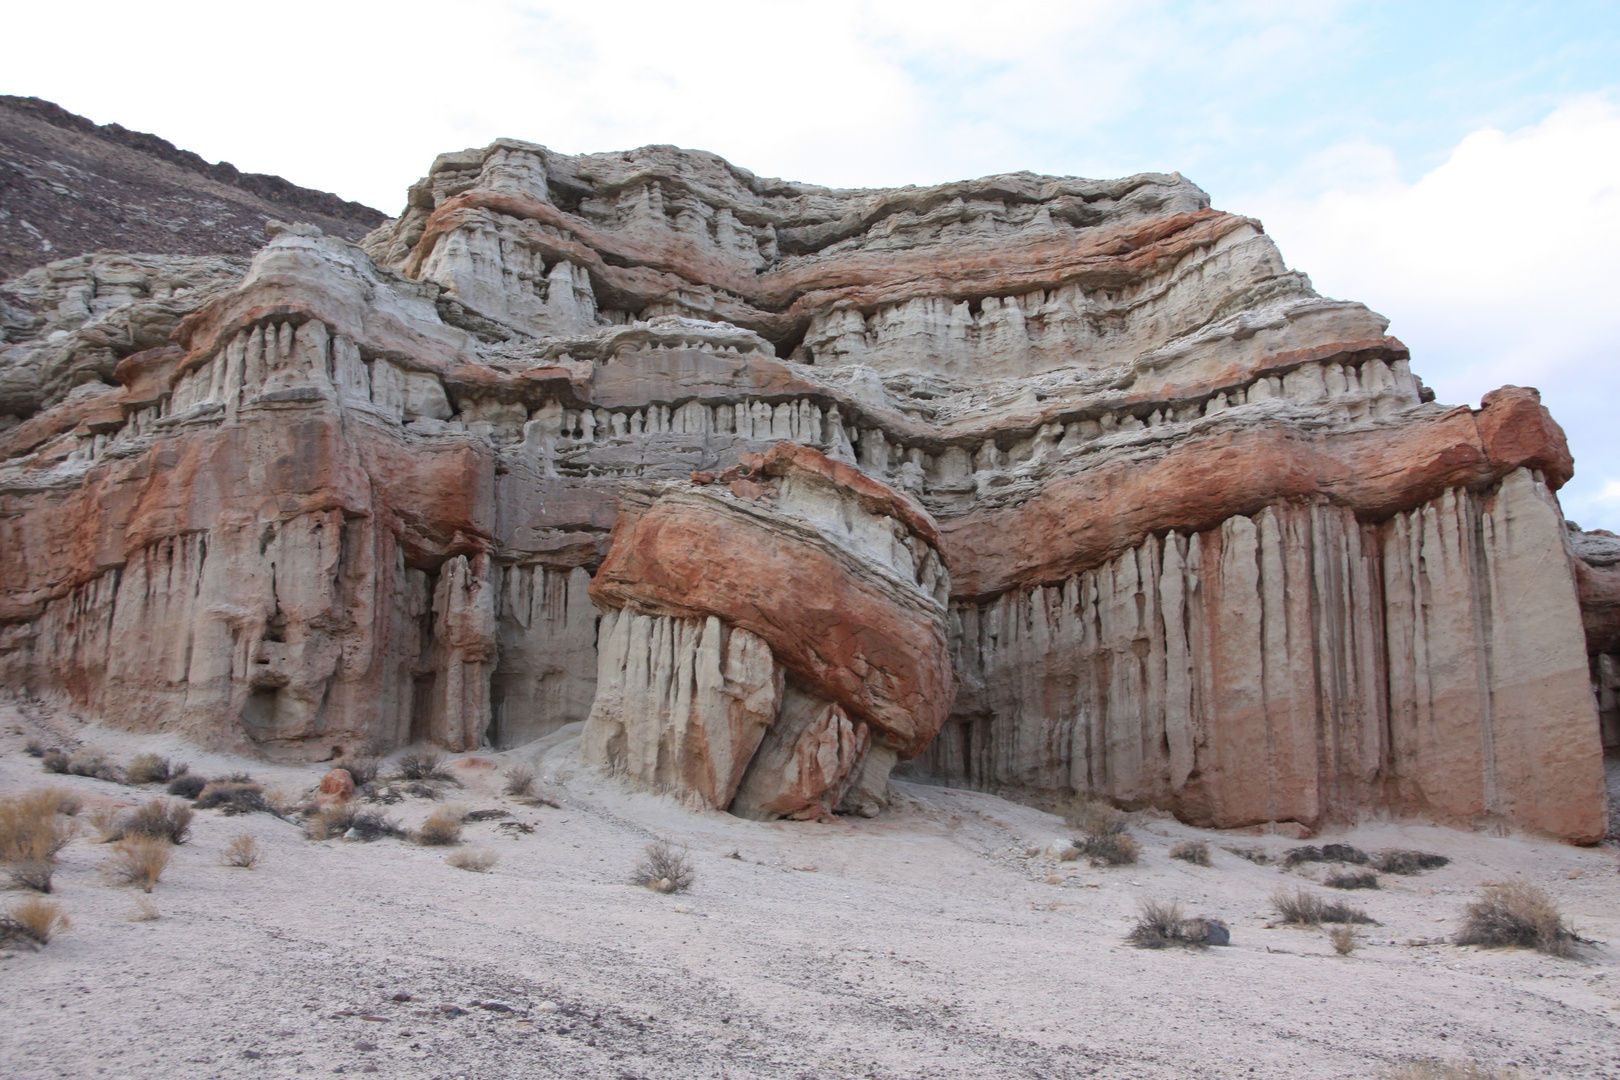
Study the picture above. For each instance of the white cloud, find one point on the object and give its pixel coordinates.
(1502, 265)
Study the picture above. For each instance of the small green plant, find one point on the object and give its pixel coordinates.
(1521, 915)
(664, 869)
(1191, 851)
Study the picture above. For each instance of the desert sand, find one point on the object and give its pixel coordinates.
(926, 942)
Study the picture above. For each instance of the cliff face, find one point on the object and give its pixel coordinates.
(1028, 481)
(70, 187)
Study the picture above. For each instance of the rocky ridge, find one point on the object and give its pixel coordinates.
(1027, 482)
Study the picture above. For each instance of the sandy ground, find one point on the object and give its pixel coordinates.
(923, 943)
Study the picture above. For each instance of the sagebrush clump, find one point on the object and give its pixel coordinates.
(1161, 924)
(424, 765)
(33, 830)
(1518, 914)
(1304, 908)
(34, 920)
(161, 819)
(152, 769)
(187, 785)
(479, 860)
(1192, 851)
(139, 861)
(664, 869)
(519, 781)
(362, 770)
(1344, 939)
(1352, 879)
(442, 827)
(1407, 862)
(232, 797)
(351, 823)
(243, 851)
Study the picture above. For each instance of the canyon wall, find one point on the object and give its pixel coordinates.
(1026, 482)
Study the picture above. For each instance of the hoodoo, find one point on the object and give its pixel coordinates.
(1026, 483)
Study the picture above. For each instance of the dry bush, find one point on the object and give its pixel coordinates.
(34, 748)
(1352, 879)
(1518, 914)
(1254, 855)
(664, 869)
(145, 910)
(424, 765)
(1162, 924)
(232, 796)
(152, 769)
(94, 764)
(362, 770)
(187, 785)
(106, 821)
(344, 819)
(1345, 939)
(243, 851)
(1110, 849)
(1094, 817)
(32, 832)
(1326, 853)
(161, 819)
(34, 920)
(1407, 862)
(139, 860)
(54, 761)
(1192, 851)
(1305, 908)
(1449, 1070)
(478, 860)
(443, 826)
(519, 781)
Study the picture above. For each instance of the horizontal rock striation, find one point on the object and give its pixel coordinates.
(1026, 482)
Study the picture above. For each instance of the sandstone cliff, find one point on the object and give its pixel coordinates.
(1033, 482)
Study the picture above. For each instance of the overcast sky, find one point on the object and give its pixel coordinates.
(1456, 165)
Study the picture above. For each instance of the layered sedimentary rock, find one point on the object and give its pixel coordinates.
(1034, 483)
(70, 187)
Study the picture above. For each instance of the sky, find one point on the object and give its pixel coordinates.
(1454, 165)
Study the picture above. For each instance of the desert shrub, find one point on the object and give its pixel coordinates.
(187, 785)
(478, 860)
(423, 765)
(1326, 853)
(139, 861)
(160, 819)
(1408, 862)
(442, 827)
(243, 851)
(519, 780)
(34, 748)
(94, 764)
(1110, 849)
(1519, 914)
(367, 825)
(1161, 924)
(1344, 938)
(145, 910)
(233, 797)
(34, 920)
(54, 761)
(664, 869)
(362, 770)
(1094, 817)
(1254, 855)
(32, 831)
(1192, 851)
(106, 820)
(1352, 879)
(1305, 908)
(151, 769)
(1449, 1070)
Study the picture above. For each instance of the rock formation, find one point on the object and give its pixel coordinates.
(1026, 482)
(70, 187)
